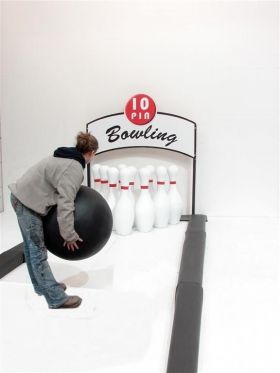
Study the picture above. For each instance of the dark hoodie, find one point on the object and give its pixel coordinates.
(70, 153)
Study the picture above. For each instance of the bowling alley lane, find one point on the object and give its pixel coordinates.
(124, 322)
(128, 288)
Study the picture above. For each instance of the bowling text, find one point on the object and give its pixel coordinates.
(114, 133)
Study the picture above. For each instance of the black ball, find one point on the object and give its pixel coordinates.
(93, 222)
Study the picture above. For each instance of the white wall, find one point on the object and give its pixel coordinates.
(66, 63)
(1, 184)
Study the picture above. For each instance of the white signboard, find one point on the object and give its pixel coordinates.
(165, 131)
(141, 125)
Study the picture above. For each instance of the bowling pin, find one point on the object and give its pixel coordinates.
(113, 177)
(96, 177)
(161, 201)
(175, 200)
(144, 208)
(124, 209)
(104, 181)
(152, 189)
(132, 174)
(120, 166)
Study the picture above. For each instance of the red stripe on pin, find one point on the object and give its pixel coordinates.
(125, 187)
(160, 182)
(104, 181)
(97, 180)
(144, 187)
(131, 183)
(172, 182)
(112, 185)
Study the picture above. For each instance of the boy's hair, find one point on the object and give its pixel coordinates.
(86, 142)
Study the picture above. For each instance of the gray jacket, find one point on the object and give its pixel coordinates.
(52, 181)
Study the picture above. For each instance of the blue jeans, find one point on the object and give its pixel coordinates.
(35, 253)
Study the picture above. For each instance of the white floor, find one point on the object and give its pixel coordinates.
(125, 320)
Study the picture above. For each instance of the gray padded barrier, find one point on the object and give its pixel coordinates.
(11, 259)
(191, 268)
(197, 223)
(184, 345)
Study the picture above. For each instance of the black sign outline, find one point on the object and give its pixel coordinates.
(193, 192)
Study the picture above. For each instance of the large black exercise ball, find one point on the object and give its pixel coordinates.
(93, 222)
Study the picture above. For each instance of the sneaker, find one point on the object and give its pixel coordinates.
(72, 302)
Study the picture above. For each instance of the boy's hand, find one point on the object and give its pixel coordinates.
(72, 245)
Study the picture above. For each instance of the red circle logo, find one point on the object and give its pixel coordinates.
(140, 109)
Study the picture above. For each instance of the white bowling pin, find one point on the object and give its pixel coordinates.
(121, 166)
(151, 180)
(132, 174)
(113, 177)
(144, 208)
(175, 200)
(96, 177)
(104, 181)
(161, 201)
(124, 209)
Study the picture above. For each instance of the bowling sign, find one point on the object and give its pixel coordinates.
(141, 125)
